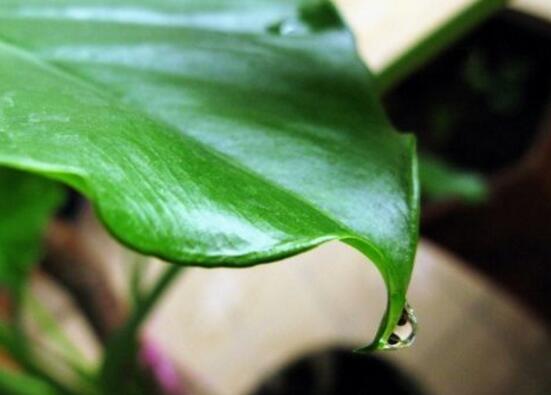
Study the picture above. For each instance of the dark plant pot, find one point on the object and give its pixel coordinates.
(339, 372)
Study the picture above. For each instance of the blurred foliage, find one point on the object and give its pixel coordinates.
(26, 205)
(441, 181)
(16, 383)
(480, 104)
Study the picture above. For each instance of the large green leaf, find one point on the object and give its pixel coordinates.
(208, 133)
(26, 203)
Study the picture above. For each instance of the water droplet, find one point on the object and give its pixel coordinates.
(287, 27)
(404, 334)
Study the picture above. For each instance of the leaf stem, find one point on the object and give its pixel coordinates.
(123, 347)
(435, 41)
(149, 301)
(136, 279)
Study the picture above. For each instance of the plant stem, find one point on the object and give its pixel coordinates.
(122, 349)
(436, 41)
(150, 300)
(136, 279)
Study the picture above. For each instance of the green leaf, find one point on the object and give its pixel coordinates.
(204, 136)
(440, 181)
(22, 384)
(26, 203)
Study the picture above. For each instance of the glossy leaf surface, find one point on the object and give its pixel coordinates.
(213, 133)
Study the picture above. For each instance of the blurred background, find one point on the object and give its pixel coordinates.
(481, 110)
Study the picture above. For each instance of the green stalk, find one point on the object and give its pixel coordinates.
(436, 41)
(136, 279)
(122, 349)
